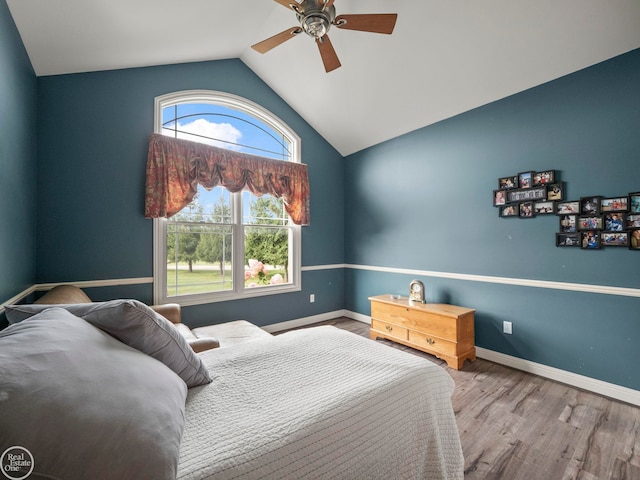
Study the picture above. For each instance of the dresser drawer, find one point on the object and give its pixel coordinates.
(389, 329)
(431, 342)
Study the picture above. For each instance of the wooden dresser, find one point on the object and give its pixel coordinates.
(445, 331)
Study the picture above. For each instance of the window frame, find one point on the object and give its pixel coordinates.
(235, 102)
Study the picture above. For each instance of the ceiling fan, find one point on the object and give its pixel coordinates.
(316, 18)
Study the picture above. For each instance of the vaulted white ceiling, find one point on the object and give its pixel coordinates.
(444, 57)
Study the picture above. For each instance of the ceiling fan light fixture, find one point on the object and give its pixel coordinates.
(316, 25)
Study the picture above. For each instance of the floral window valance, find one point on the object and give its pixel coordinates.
(175, 167)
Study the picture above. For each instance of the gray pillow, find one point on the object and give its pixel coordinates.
(134, 323)
(86, 405)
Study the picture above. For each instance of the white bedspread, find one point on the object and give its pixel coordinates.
(320, 403)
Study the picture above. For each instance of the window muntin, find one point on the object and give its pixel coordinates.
(226, 245)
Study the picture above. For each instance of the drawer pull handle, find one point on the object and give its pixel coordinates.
(430, 341)
(388, 327)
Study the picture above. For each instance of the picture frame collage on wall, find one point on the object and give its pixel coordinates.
(595, 222)
(589, 223)
(528, 194)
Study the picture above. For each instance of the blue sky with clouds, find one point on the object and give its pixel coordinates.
(225, 128)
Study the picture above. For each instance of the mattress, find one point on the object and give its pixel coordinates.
(320, 403)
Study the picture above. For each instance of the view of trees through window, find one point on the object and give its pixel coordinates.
(222, 241)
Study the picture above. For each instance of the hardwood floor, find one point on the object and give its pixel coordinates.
(518, 426)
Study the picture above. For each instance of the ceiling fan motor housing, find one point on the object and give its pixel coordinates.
(314, 18)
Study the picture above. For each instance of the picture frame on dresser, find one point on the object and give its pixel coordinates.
(615, 239)
(634, 202)
(568, 239)
(568, 207)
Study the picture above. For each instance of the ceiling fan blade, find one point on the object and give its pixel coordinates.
(373, 22)
(292, 4)
(278, 39)
(328, 54)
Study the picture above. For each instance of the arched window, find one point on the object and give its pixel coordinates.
(225, 245)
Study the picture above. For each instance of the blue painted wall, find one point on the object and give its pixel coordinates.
(423, 201)
(17, 161)
(92, 142)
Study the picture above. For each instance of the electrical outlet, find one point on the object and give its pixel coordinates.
(506, 328)
(312, 298)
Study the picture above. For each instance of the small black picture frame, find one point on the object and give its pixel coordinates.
(509, 211)
(544, 178)
(555, 191)
(590, 205)
(544, 208)
(525, 210)
(568, 223)
(634, 202)
(634, 239)
(632, 221)
(615, 239)
(525, 179)
(614, 222)
(614, 204)
(499, 198)
(590, 222)
(590, 240)
(568, 239)
(569, 207)
(506, 183)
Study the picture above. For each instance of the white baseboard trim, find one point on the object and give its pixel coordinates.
(611, 390)
(358, 316)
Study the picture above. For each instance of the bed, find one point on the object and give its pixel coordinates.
(317, 403)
